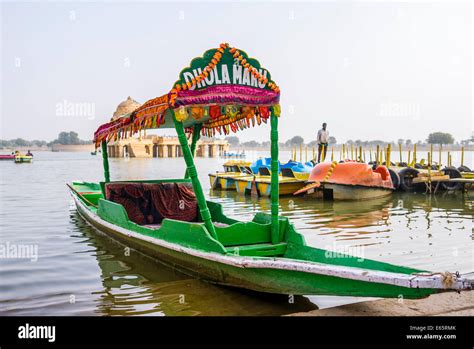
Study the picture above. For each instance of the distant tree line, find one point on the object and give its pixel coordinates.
(66, 138)
(433, 138)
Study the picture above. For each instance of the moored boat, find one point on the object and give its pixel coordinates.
(348, 181)
(262, 183)
(171, 220)
(226, 180)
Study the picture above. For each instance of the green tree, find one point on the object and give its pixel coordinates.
(251, 144)
(233, 140)
(20, 142)
(332, 140)
(68, 138)
(296, 140)
(440, 138)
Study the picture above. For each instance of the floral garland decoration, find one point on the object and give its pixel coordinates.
(173, 95)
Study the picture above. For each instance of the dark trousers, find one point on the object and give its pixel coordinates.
(320, 148)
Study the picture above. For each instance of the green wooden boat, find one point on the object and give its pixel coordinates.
(224, 91)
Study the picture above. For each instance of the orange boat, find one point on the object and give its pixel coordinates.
(348, 181)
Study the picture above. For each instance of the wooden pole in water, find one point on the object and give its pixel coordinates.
(306, 153)
(301, 152)
(314, 153)
(400, 152)
(449, 159)
(352, 152)
(360, 153)
(323, 157)
(105, 161)
(332, 154)
(370, 154)
(377, 155)
(191, 168)
(343, 152)
(431, 152)
(462, 156)
(389, 150)
(440, 151)
(414, 154)
(429, 167)
(274, 191)
(409, 156)
(355, 151)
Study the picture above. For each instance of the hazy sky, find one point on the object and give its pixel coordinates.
(371, 70)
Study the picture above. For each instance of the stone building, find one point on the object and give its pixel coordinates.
(153, 146)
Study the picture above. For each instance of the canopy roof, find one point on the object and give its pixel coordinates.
(224, 90)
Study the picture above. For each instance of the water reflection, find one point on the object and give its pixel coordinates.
(431, 231)
(134, 284)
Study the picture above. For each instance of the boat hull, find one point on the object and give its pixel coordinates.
(286, 186)
(271, 275)
(348, 192)
(23, 159)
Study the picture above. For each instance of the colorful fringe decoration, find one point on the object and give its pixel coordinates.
(220, 108)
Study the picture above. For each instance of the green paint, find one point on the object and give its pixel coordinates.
(105, 161)
(191, 170)
(196, 135)
(274, 178)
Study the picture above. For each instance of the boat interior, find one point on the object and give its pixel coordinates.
(149, 203)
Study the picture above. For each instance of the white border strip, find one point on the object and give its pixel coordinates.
(432, 281)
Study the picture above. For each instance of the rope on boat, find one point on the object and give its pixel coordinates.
(448, 279)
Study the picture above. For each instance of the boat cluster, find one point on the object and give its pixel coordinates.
(343, 180)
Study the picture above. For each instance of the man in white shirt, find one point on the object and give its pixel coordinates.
(323, 141)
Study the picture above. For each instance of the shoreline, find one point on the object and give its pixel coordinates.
(441, 304)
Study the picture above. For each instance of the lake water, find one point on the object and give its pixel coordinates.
(79, 271)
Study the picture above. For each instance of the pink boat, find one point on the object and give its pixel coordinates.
(7, 157)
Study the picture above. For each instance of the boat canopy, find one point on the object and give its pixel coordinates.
(223, 91)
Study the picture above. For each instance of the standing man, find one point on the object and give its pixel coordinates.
(322, 139)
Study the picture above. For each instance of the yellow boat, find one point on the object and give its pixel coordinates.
(262, 183)
(232, 169)
(23, 159)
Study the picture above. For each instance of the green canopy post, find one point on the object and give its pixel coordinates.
(196, 135)
(274, 178)
(191, 170)
(105, 161)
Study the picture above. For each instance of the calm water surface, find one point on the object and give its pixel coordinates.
(80, 271)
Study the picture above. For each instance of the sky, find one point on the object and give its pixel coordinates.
(371, 70)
